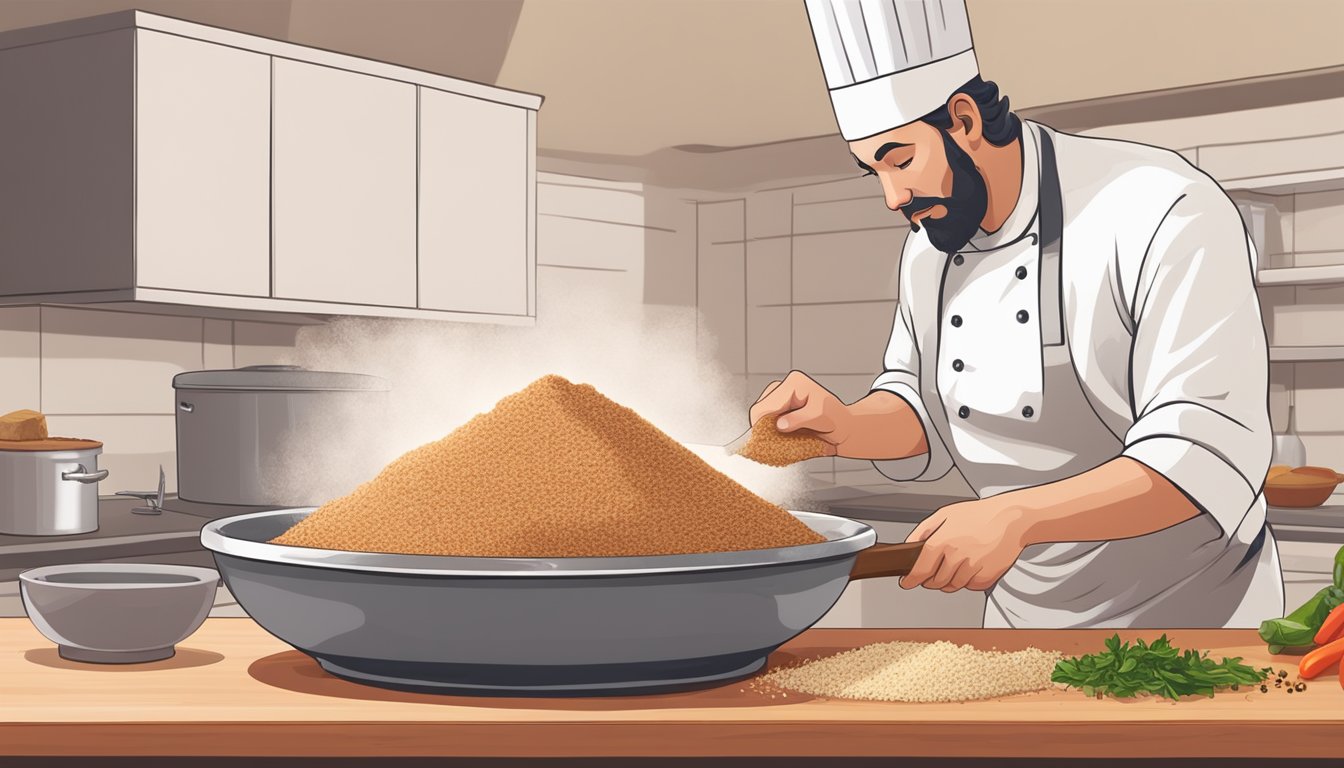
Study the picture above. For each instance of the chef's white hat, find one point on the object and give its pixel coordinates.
(890, 62)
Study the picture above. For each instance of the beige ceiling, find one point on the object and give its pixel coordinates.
(630, 77)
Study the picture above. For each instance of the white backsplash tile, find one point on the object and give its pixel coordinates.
(591, 244)
(114, 362)
(20, 359)
(721, 222)
(769, 271)
(669, 257)
(561, 290)
(218, 344)
(263, 343)
(721, 281)
(768, 338)
(769, 214)
(568, 199)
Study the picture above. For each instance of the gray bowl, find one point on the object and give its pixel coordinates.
(533, 625)
(117, 613)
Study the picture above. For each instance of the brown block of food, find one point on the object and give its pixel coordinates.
(556, 470)
(767, 445)
(23, 425)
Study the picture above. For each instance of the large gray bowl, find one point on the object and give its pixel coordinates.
(534, 626)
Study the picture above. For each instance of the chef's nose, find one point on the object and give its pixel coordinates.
(896, 195)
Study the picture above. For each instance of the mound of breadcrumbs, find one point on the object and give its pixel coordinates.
(767, 445)
(555, 470)
(919, 672)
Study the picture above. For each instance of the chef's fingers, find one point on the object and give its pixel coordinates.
(963, 577)
(947, 570)
(791, 393)
(927, 564)
(927, 526)
(811, 416)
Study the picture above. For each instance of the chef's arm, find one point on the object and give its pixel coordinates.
(882, 426)
(1117, 500)
(1199, 373)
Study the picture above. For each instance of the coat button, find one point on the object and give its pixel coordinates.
(1022, 316)
(956, 321)
(957, 365)
(958, 260)
(1021, 273)
(963, 412)
(1027, 411)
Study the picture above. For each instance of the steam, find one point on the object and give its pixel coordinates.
(442, 374)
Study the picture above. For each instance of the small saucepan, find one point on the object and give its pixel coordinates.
(50, 486)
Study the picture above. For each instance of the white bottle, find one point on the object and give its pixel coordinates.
(1288, 447)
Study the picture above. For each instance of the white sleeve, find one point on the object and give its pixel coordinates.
(901, 377)
(1199, 365)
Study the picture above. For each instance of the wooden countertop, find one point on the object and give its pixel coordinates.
(232, 689)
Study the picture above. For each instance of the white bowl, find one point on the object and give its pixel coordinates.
(117, 613)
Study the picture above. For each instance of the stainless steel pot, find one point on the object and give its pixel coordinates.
(46, 490)
(234, 425)
(542, 625)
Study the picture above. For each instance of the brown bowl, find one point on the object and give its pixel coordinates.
(1302, 487)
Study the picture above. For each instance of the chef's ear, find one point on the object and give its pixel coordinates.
(965, 115)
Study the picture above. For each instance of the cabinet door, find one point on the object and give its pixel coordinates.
(474, 218)
(202, 166)
(343, 186)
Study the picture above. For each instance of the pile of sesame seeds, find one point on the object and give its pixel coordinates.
(918, 672)
(555, 470)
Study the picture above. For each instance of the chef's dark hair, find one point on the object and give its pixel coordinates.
(1002, 127)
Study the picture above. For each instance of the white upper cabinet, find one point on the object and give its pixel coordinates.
(147, 160)
(344, 194)
(202, 165)
(475, 168)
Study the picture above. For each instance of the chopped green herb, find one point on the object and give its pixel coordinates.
(1124, 671)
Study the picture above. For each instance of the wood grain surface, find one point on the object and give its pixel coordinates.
(233, 689)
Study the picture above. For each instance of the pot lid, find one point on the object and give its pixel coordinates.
(284, 378)
(50, 444)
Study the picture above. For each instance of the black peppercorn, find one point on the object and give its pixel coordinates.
(1300, 687)
(1283, 673)
(1264, 689)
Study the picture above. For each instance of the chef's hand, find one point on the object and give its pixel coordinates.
(801, 403)
(968, 545)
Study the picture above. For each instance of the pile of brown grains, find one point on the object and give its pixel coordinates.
(919, 672)
(767, 445)
(556, 470)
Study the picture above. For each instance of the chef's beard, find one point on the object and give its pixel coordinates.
(965, 208)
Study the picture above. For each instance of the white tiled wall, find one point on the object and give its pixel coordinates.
(107, 376)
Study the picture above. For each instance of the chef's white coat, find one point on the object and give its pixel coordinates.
(1141, 337)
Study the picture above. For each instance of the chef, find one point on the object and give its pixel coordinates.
(1077, 333)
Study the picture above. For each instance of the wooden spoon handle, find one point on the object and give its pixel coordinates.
(886, 560)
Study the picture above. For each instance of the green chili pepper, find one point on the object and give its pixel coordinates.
(1299, 627)
(1339, 569)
